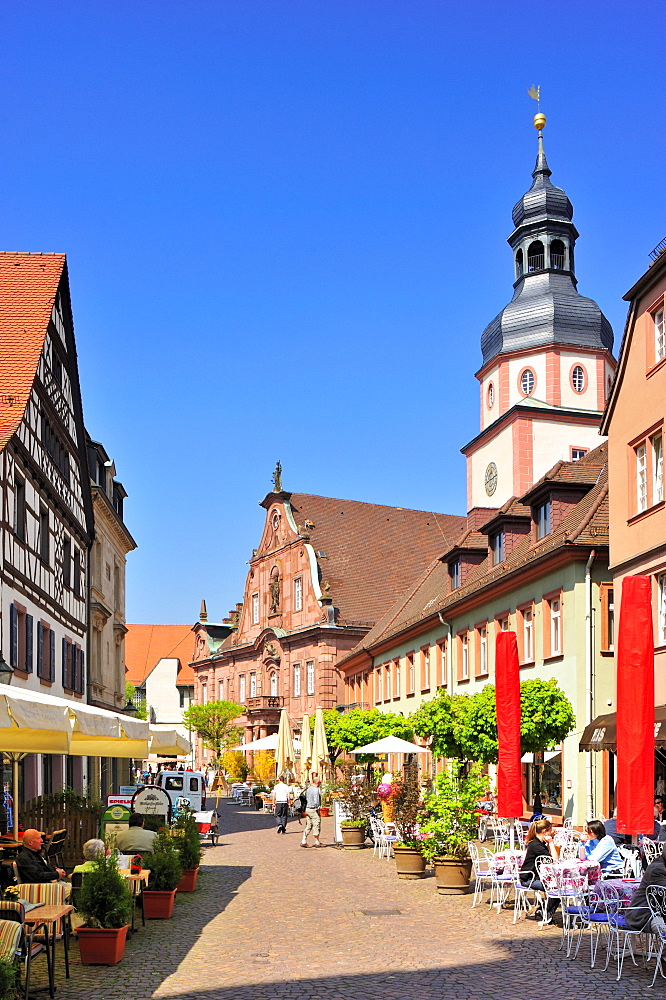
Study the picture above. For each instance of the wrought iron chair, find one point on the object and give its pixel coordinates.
(482, 870)
(617, 928)
(656, 900)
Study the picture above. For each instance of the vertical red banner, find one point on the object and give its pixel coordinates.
(635, 708)
(507, 693)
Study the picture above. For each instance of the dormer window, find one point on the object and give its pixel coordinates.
(454, 574)
(542, 519)
(497, 547)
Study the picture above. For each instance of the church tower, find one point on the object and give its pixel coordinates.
(547, 357)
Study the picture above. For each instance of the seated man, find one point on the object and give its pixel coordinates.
(31, 865)
(135, 840)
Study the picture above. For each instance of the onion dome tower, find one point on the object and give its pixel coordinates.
(547, 356)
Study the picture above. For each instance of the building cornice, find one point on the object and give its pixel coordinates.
(555, 414)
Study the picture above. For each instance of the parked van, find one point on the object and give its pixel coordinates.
(185, 784)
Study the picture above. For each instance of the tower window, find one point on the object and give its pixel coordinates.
(578, 378)
(557, 254)
(535, 256)
(527, 382)
(491, 395)
(519, 264)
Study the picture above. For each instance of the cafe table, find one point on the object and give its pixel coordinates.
(138, 883)
(48, 917)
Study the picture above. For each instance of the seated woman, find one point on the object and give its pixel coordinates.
(539, 842)
(601, 847)
(91, 850)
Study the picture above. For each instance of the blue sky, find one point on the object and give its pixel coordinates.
(286, 225)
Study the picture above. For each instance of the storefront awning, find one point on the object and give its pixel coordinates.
(601, 732)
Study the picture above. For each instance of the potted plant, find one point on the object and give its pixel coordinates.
(188, 845)
(9, 976)
(408, 812)
(355, 794)
(452, 817)
(105, 903)
(165, 873)
(325, 808)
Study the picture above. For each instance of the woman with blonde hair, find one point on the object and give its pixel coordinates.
(539, 842)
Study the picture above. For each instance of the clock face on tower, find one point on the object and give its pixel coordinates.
(491, 478)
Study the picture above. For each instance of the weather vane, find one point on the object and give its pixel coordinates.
(539, 118)
(277, 478)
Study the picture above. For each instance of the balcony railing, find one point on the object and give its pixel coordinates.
(535, 263)
(263, 702)
(557, 261)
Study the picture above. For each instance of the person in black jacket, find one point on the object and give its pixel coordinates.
(539, 843)
(637, 914)
(31, 865)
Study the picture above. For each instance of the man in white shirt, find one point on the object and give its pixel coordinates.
(284, 796)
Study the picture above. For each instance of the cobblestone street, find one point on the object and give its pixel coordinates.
(271, 919)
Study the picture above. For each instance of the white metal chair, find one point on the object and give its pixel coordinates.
(617, 928)
(656, 900)
(525, 896)
(632, 863)
(652, 849)
(482, 870)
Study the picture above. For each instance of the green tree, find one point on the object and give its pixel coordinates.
(131, 695)
(465, 726)
(213, 724)
(360, 726)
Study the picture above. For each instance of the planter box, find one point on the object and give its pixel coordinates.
(353, 837)
(158, 905)
(452, 876)
(188, 882)
(101, 945)
(409, 862)
(324, 811)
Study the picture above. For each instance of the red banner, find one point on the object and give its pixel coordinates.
(635, 708)
(507, 690)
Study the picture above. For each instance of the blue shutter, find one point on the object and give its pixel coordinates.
(71, 664)
(64, 663)
(40, 649)
(13, 636)
(82, 671)
(75, 663)
(52, 656)
(28, 642)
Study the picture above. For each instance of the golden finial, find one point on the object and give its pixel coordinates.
(539, 118)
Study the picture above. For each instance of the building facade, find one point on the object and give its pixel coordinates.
(47, 523)
(324, 572)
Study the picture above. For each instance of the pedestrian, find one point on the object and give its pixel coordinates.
(283, 796)
(312, 815)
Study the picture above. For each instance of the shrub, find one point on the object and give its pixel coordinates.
(355, 794)
(104, 899)
(188, 843)
(164, 863)
(408, 807)
(8, 980)
(451, 812)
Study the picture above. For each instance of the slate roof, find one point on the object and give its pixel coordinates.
(146, 645)
(373, 553)
(28, 286)
(585, 524)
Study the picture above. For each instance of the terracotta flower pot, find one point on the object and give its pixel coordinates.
(188, 882)
(101, 945)
(452, 876)
(353, 837)
(158, 905)
(409, 862)
(324, 811)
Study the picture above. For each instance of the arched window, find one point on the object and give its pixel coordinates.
(274, 685)
(519, 264)
(527, 381)
(557, 255)
(491, 395)
(535, 256)
(578, 379)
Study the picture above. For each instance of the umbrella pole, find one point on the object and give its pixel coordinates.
(15, 793)
(512, 833)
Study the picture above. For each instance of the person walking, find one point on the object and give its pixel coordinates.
(283, 797)
(312, 816)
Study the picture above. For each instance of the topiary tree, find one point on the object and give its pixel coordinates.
(104, 899)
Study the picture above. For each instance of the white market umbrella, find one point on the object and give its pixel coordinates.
(306, 748)
(265, 743)
(320, 759)
(391, 744)
(284, 753)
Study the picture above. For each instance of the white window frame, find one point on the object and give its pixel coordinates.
(241, 688)
(298, 593)
(220, 688)
(580, 379)
(380, 684)
(661, 610)
(657, 444)
(297, 680)
(397, 679)
(464, 661)
(411, 680)
(310, 676)
(577, 454)
(528, 635)
(388, 683)
(659, 335)
(483, 650)
(274, 685)
(555, 604)
(444, 661)
(426, 668)
(255, 609)
(204, 693)
(253, 684)
(641, 478)
(527, 377)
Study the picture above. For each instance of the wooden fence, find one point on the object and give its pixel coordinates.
(64, 811)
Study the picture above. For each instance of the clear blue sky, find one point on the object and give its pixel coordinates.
(286, 225)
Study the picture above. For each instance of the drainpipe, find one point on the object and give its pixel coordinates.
(589, 677)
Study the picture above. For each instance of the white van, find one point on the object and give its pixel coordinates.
(186, 784)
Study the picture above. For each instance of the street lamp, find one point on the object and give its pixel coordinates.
(6, 672)
(131, 709)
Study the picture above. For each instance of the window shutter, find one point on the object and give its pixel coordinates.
(82, 671)
(28, 642)
(13, 636)
(40, 649)
(75, 665)
(52, 658)
(64, 663)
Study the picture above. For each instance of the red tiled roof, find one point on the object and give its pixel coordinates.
(146, 645)
(373, 553)
(28, 286)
